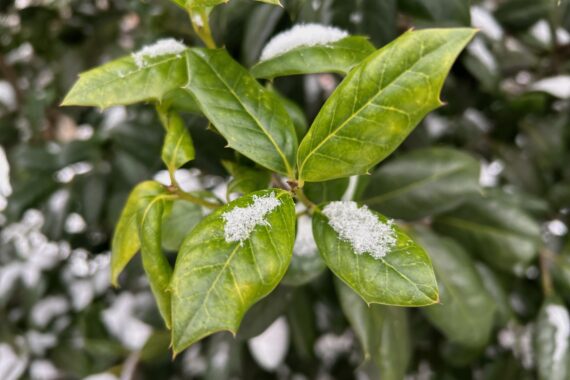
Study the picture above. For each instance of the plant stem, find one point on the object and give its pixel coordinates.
(306, 201)
(201, 25)
(546, 279)
(199, 201)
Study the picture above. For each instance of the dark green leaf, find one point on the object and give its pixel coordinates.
(176, 226)
(442, 12)
(501, 234)
(379, 103)
(216, 281)
(123, 82)
(383, 332)
(178, 148)
(466, 312)
(423, 183)
(403, 277)
(252, 119)
(327, 191)
(373, 18)
(336, 57)
(552, 341)
(246, 179)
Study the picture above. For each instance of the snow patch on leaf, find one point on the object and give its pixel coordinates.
(301, 35)
(559, 318)
(361, 228)
(161, 47)
(241, 221)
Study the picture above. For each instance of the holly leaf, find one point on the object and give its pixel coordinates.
(379, 103)
(466, 312)
(335, 57)
(403, 277)
(178, 148)
(245, 179)
(251, 118)
(218, 278)
(124, 81)
(423, 182)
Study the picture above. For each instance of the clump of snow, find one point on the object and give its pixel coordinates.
(47, 309)
(305, 245)
(483, 19)
(12, 366)
(541, 32)
(270, 347)
(559, 318)
(121, 322)
(241, 221)
(301, 35)
(558, 86)
(5, 188)
(361, 228)
(159, 48)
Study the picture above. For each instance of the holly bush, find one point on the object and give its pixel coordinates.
(368, 189)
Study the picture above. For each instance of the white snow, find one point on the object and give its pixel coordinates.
(102, 376)
(7, 95)
(12, 366)
(270, 347)
(188, 179)
(557, 227)
(541, 32)
(560, 320)
(301, 35)
(5, 188)
(558, 86)
(47, 309)
(241, 221)
(305, 242)
(159, 48)
(43, 370)
(490, 172)
(361, 228)
(351, 188)
(479, 50)
(483, 19)
(121, 322)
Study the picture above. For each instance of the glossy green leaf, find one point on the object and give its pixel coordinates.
(422, 183)
(123, 82)
(382, 331)
(155, 263)
(496, 289)
(297, 116)
(336, 57)
(178, 224)
(251, 118)
(245, 179)
(178, 147)
(274, 2)
(264, 313)
(379, 103)
(466, 312)
(215, 281)
(552, 341)
(198, 4)
(126, 242)
(404, 277)
(501, 234)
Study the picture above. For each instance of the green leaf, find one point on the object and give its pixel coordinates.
(382, 331)
(178, 148)
(123, 82)
(404, 277)
(155, 263)
(552, 341)
(466, 312)
(335, 57)
(379, 103)
(252, 119)
(176, 226)
(496, 289)
(442, 12)
(297, 115)
(198, 4)
(495, 231)
(215, 281)
(264, 313)
(246, 179)
(423, 183)
(126, 242)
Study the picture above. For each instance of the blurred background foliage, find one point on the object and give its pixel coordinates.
(71, 170)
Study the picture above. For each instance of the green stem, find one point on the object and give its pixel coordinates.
(199, 201)
(306, 201)
(547, 287)
(201, 25)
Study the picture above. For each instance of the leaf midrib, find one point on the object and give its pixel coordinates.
(354, 114)
(259, 124)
